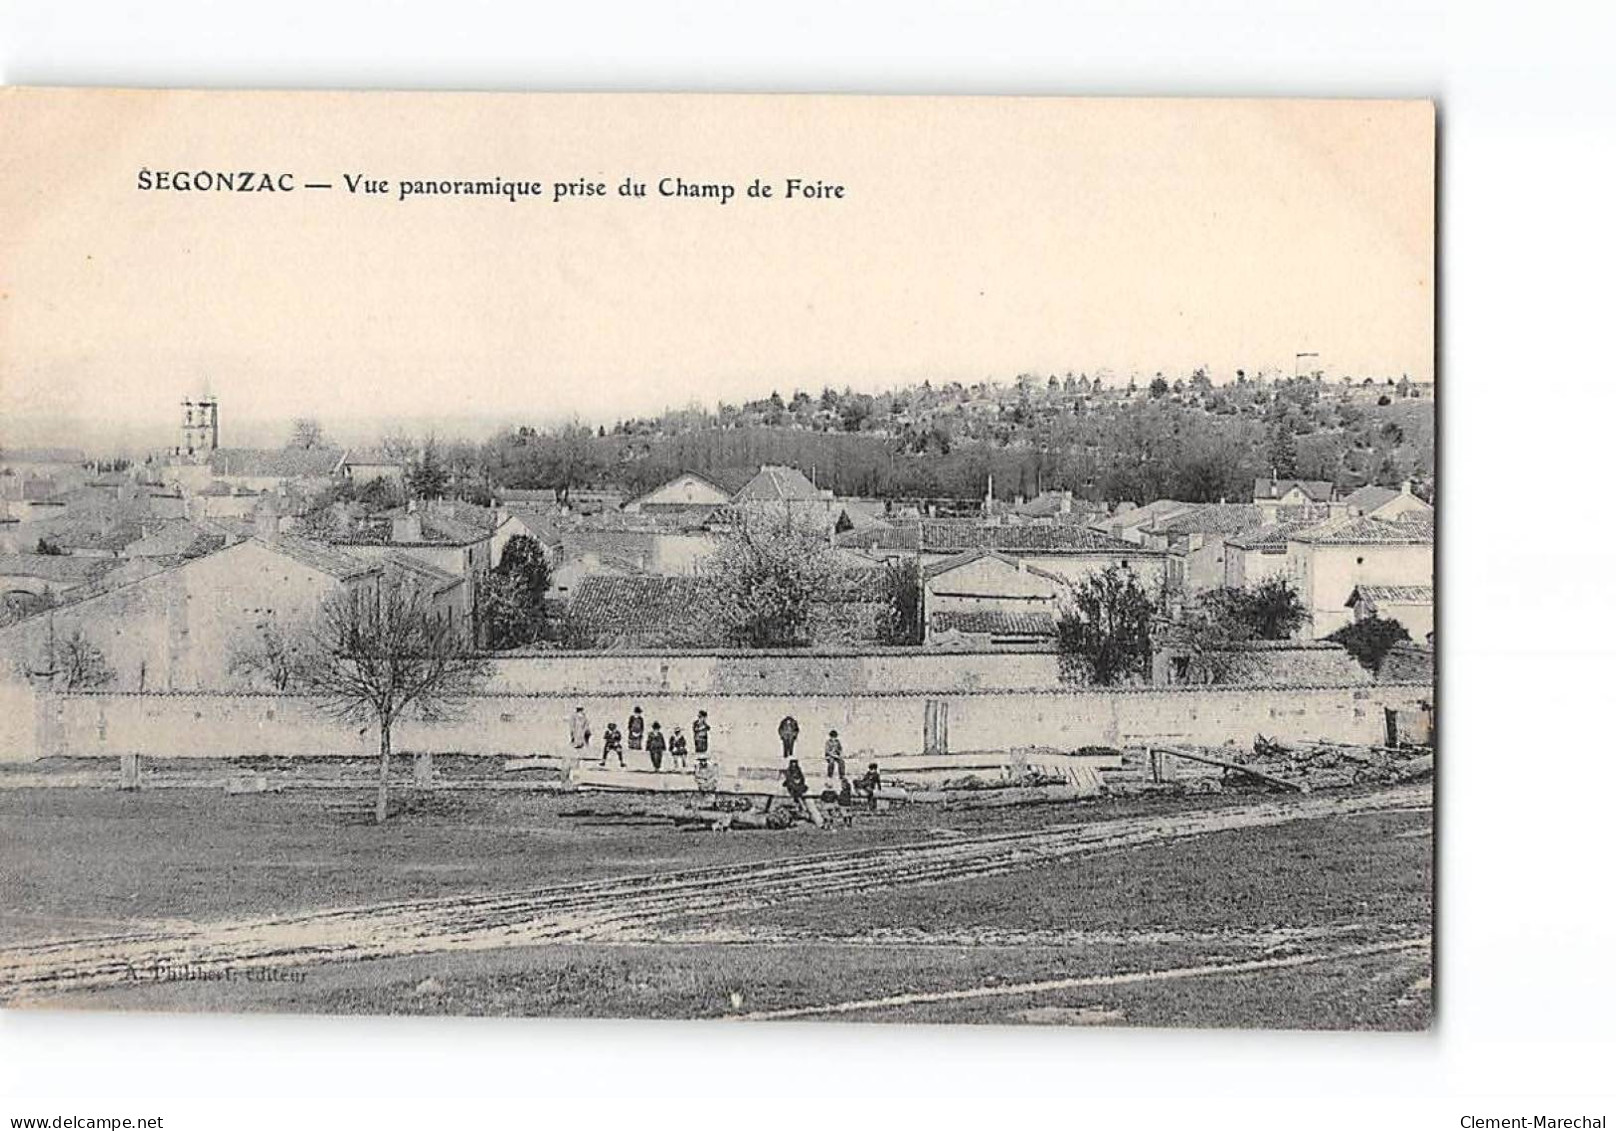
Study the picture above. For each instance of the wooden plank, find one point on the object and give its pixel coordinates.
(1179, 751)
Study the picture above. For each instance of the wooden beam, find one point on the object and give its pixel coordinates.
(1179, 751)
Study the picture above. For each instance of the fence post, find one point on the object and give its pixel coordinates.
(129, 771)
(423, 769)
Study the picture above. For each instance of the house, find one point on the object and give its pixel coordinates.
(1277, 495)
(1412, 606)
(48, 575)
(438, 534)
(1068, 551)
(179, 538)
(1132, 524)
(258, 469)
(681, 494)
(983, 597)
(1385, 503)
(1195, 543)
(1253, 556)
(178, 628)
(1059, 506)
(777, 485)
(366, 465)
(1327, 561)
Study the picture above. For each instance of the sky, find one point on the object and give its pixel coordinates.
(975, 238)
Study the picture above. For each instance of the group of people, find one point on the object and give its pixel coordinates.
(674, 747)
(838, 788)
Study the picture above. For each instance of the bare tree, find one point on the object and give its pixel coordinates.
(306, 433)
(376, 654)
(270, 655)
(78, 664)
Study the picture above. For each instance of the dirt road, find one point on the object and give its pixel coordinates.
(608, 909)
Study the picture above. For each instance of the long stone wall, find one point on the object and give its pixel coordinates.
(765, 672)
(873, 724)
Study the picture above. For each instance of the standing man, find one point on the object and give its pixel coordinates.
(636, 729)
(699, 731)
(835, 764)
(580, 728)
(656, 746)
(677, 749)
(788, 737)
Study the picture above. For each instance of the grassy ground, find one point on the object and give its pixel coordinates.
(76, 861)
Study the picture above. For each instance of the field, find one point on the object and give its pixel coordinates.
(1221, 910)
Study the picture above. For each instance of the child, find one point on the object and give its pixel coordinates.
(677, 749)
(612, 743)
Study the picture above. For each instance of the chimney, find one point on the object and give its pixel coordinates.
(1408, 486)
(1066, 502)
(407, 527)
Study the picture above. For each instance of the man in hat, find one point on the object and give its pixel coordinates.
(636, 729)
(677, 749)
(656, 745)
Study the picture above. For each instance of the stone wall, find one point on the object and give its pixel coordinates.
(872, 724)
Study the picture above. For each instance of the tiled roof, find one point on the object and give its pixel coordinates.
(275, 463)
(41, 455)
(946, 565)
(1362, 532)
(1151, 514)
(319, 556)
(994, 623)
(1393, 594)
(1421, 522)
(774, 483)
(637, 608)
(178, 538)
(58, 569)
(437, 529)
(530, 496)
(1318, 490)
(1215, 518)
(419, 572)
(1370, 497)
(893, 536)
(952, 535)
(1271, 536)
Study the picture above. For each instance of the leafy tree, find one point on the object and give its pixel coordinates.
(46, 546)
(1271, 610)
(1159, 387)
(427, 478)
(1282, 455)
(510, 597)
(1104, 634)
(903, 618)
(1369, 639)
(767, 571)
(376, 654)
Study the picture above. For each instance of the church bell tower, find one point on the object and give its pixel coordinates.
(199, 435)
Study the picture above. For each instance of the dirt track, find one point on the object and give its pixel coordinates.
(607, 909)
